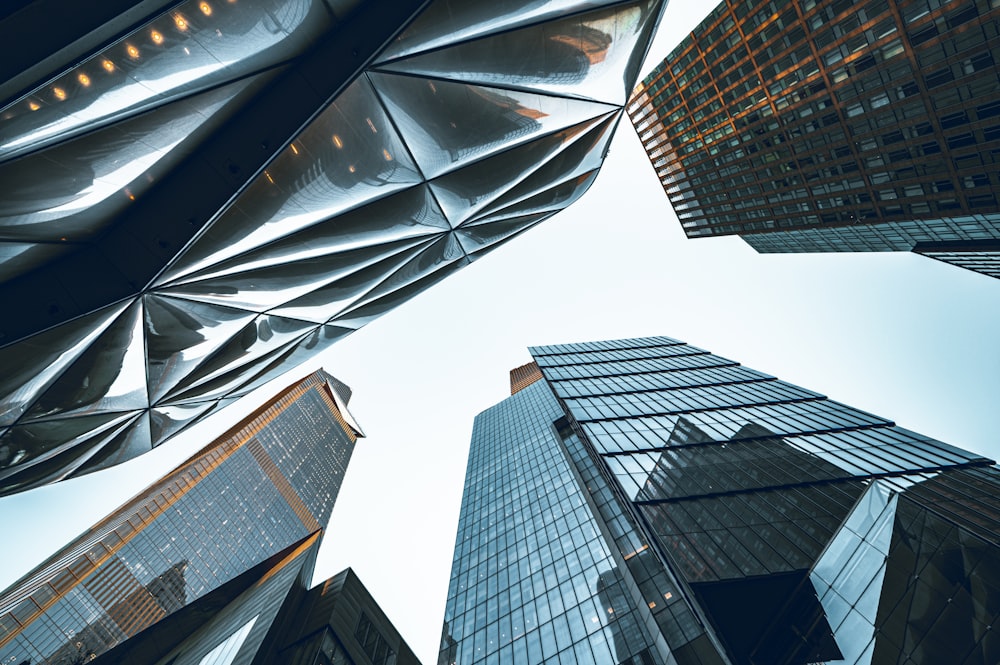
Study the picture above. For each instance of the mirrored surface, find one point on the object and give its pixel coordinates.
(196, 44)
(32, 365)
(448, 124)
(590, 55)
(349, 156)
(418, 166)
(110, 375)
(72, 191)
(448, 21)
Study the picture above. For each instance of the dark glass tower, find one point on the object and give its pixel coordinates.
(744, 520)
(263, 490)
(831, 126)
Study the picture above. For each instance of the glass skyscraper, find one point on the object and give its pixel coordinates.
(202, 194)
(648, 501)
(257, 496)
(832, 126)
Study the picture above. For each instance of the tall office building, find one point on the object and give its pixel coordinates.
(831, 126)
(646, 501)
(254, 500)
(201, 195)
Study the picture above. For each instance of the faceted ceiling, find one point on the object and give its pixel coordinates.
(475, 122)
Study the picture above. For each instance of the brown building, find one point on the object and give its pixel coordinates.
(523, 376)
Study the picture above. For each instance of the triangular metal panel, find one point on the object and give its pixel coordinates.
(463, 192)
(30, 365)
(476, 240)
(364, 314)
(446, 22)
(553, 199)
(110, 375)
(250, 345)
(326, 302)
(306, 349)
(586, 155)
(407, 216)
(130, 442)
(447, 125)
(167, 420)
(349, 156)
(182, 334)
(268, 288)
(17, 258)
(232, 381)
(594, 55)
(170, 420)
(71, 191)
(33, 446)
(441, 252)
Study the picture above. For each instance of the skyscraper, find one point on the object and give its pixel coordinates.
(254, 500)
(648, 500)
(202, 195)
(827, 126)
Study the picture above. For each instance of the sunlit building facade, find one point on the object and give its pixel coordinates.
(261, 493)
(830, 126)
(201, 196)
(649, 501)
(523, 376)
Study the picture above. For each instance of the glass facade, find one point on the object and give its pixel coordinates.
(982, 257)
(757, 522)
(549, 565)
(267, 484)
(337, 178)
(537, 575)
(822, 125)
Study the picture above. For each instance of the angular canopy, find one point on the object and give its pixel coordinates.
(234, 185)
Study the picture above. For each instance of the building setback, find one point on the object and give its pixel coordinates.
(831, 126)
(646, 501)
(227, 538)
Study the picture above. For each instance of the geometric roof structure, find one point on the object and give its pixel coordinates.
(201, 202)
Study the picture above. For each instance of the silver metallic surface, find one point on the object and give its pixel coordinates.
(462, 134)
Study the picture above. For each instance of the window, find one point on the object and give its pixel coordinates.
(372, 642)
(225, 653)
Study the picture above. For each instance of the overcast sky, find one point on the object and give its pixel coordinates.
(899, 335)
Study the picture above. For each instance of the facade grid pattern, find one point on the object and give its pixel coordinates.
(793, 500)
(827, 125)
(266, 484)
(534, 579)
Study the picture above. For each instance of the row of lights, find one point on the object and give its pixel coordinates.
(180, 22)
(339, 144)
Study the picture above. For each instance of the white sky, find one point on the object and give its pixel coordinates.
(899, 335)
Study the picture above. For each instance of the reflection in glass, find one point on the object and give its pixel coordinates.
(591, 55)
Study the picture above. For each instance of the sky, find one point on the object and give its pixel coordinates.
(895, 334)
